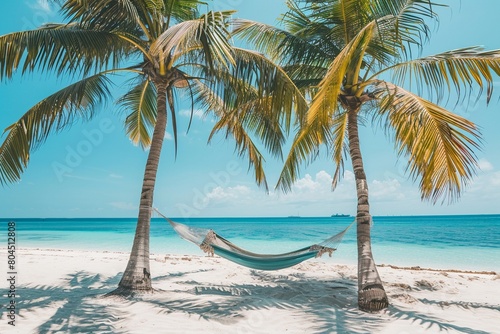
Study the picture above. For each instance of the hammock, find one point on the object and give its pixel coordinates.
(212, 243)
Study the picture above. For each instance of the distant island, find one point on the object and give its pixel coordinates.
(340, 215)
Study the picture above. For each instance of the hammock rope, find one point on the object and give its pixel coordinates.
(212, 243)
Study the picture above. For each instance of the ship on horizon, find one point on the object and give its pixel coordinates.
(337, 215)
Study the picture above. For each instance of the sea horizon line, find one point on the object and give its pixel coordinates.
(256, 217)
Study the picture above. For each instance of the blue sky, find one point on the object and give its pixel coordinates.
(92, 169)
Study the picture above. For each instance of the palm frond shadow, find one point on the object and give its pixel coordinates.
(462, 305)
(429, 321)
(176, 274)
(329, 305)
(333, 308)
(77, 310)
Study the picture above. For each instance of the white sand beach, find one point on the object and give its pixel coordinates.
(61, 291)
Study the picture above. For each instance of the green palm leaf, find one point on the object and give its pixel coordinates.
(459, 69)
(274, 87)
(346, 66)
(339, 144)
(235, 123)
(305, 146)
(260, 94)
(112, 15)
(404, 22)
(208, 32)
(281, 45)
(245, 145)
(139, 124)
(184, 10)
(252, 99)
(60, 47)
(439, 144)
(79, 100)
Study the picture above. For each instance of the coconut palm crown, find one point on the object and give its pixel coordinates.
(169, 50)
(355, 61)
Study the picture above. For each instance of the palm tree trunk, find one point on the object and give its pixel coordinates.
(371, 293)
(137, 275)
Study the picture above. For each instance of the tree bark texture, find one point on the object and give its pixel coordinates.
(137, 275)
(371, 293)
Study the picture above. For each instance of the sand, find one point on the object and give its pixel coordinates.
(62, 291)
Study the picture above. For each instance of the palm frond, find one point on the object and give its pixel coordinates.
(171, 104)
(338, 139)
(345, 19)
(242, 122)
(253, 99)
(354, 16)
(208, 32)
(439, 144)
(62, 48)
(114, 15)
(244, 145)
(234, 122)
(306, 59)
(283, 46)
(305, 146)
(259, 93)
(273, 85)
(255, 118)
(459, 69)
(347, 63)
(180, 10)
(59, 110)
(306, 77)
(139, 124)
(405, 22)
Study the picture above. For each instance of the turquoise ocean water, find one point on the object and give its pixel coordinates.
(469, 242)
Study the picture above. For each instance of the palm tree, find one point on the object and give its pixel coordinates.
(166, 46)
(354, 60)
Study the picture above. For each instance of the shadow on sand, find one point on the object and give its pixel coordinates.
(81, 308)
(75, 305)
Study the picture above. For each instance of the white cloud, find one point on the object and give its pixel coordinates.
(495, 179)
(228, 193)
(322, 182)
(324, 178)
(168, 136)
(306, 184)
(115, 176)
(485, 165)
(348, 176)
(484, 184)
(318, 189)
(386, 190)
(310, 195)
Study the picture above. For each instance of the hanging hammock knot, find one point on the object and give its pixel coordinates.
(206, 244)
(322, 250)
